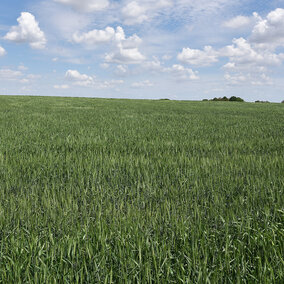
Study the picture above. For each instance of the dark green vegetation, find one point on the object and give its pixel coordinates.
(225, 99)
(117, 191)
(262, 102)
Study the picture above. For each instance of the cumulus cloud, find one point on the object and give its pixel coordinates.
(250, 59)
(86, 6)
(137, 12)
(134, 13)
(177, 71)
(238, 22)
(198, 57)
(95, 37)
(79, 79)
(125, 48)
(181, 73)
(84, 80)
(249, 62)
(27, 31)
(2, 51)
(269, 32)
(241, 52)
(126, 51)
(125, 56)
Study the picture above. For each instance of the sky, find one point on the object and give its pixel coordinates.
(143, 49)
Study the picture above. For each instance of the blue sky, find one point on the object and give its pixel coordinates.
(177, 49)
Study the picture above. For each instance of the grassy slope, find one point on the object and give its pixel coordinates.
(116, 190)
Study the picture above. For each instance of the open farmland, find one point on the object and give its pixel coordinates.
(122, 191)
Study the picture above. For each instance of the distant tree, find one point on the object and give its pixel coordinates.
(282, 102)
(205, 100)
(236, 99)
(225, 99)
(263, 102)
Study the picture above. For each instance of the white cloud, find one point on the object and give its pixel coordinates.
(28, 31)
(249, 62)
(134, 13)
(121, 70)
(59, 22)
(198, 57)
(10, 74)
(241, 52)
(249, 59)
(269, 32)
(86, 6)
(108, 84)
(137, 12)
(2, 51)
(125, 56)
(62, 87)
(179, 72)
(182, 73)
(126, 50)
(235, 79)
(153, 65)
(248, 78)
(131, 42)
(95, 37)
(238, 22)
(79, 79)
(84, 80)
(17, 76)
(142, 84)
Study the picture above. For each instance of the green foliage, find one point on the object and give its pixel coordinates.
(236, 99)
(121, 191)
(225, 99)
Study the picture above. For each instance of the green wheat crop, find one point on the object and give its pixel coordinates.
(122, 191)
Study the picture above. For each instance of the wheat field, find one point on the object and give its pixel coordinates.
(129, 191)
